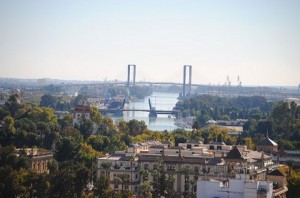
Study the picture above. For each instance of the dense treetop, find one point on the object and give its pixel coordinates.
(75, 147)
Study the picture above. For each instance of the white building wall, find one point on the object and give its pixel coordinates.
(236, 188)
(250, 189)
(209, 189)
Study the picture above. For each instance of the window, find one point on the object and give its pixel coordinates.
(116, 185)
(226, 183)
(211, 147)
(146, 166)
(171, 168)
(219, 147)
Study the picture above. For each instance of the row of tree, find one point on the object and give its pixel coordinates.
(206, 107)
(280, 119)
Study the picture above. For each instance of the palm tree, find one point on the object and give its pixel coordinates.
(144, 173)
(186, 171)
(193, 183)
(161, 176)
(106, 166)
(116, 182)
(131, 158)
(102, 186)
(145, 190)
(159, 161)
(155, 182)
(169, 192)
(124, 178)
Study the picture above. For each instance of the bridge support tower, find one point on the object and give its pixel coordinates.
(152, 113)
(185, 67)
(128, 74)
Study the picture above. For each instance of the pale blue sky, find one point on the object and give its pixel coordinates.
(259, 40)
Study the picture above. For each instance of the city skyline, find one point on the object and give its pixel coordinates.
(96, 40)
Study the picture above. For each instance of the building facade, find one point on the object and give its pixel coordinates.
(81, 111)
(186, 164)
(38, 160)
(267, 145)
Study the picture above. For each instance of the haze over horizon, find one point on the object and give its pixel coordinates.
(259, 41)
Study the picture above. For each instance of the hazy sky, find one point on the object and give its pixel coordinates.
(259, 40)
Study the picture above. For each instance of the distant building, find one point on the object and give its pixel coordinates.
(241, 160)
(168, 143)
(60, 114)
(279, 182)
(267, 145)
(214, 161)
(240, 187)
(289, 100)
(289, 156)
(81, 111)
(244, 187)
(234, 127)
(38, 160)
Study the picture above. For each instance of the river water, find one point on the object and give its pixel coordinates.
(161, 101)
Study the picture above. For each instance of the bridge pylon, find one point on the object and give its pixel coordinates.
(128, 74)
(184, 80)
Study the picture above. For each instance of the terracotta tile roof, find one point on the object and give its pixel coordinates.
(267, 142)
(157, 146)
(235, 153)
(276, 172)
(166, 142)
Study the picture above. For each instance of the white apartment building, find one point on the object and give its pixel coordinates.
(242, 187)
(234, 188)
